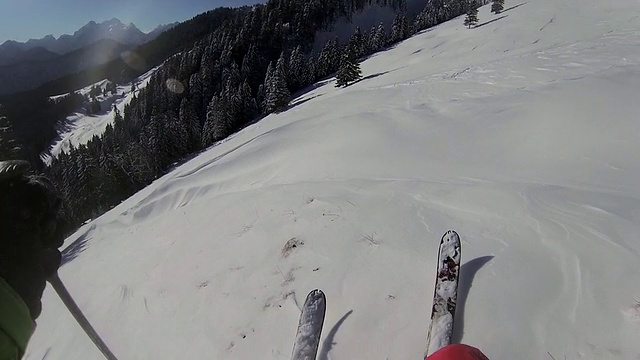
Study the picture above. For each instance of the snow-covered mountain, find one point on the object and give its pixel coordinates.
(521, 134)
(111, 29)
(12, 51)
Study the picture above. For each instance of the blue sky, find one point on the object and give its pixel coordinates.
(24, 19)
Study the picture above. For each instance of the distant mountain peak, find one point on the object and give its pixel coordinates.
(9, 43)
(90, 33)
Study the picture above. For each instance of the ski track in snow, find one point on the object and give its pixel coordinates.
(521, 134)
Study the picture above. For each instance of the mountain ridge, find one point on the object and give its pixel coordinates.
(29, 74)
(12, 51)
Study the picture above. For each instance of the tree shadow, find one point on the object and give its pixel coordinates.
(372, 76)
(322, 82)
(490, 21)
(467, 273)
(515, 6)
(297, 103)
(75, 249)
(327, 344)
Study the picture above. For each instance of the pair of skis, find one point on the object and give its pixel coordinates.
(313, 311)
(445, 295)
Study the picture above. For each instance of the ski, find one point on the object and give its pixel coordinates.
(310, 326)
(445, 293)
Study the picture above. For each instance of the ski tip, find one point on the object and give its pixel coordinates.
(314, 298)
(451, 235)
(316, 293)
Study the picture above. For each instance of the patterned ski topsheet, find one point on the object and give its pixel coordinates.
(445, 293)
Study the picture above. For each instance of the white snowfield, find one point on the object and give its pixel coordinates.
(79, 128)
(522, 134)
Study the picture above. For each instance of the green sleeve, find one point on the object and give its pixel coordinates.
(16, 325)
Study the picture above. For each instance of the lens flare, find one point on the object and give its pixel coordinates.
(133, 60)
(175, 86)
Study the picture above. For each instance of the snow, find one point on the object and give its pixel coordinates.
(521, 134)
(79, 127)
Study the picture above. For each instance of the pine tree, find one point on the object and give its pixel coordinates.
(187, 116)
(323, 65)
(8, 146)
(420, 22)
(349, 70)
(399, 28)
(277, 94)
(296, 69)
(497, 6)
(231, 76)
(310, 71)
(378, 38)
(335, 55)
(224, 116)
(250, 69)
(472, 14)
(357, 42)
(249, 103)
(217, 124)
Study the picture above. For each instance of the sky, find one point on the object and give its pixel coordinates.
(21, 20)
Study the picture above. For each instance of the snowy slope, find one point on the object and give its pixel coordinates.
(81, 127)
(521, 134)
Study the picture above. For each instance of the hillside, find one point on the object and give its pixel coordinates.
(80, 127)
(521, 134)
(28, 75)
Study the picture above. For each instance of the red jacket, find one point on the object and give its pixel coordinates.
(457, 352)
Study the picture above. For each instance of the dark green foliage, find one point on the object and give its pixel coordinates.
(378, 38)
(497, 6)
(399, 28)
(296, 69)
(275, 85)
(252, 69)
(349, 70)
(9, 149)
(217, 119)
(328, 60)
(472, 14)
(357, 43)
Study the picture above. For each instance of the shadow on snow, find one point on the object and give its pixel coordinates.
(328, 342)
(467, 273)
(513, 7)
(76, 248)
(490, 21)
